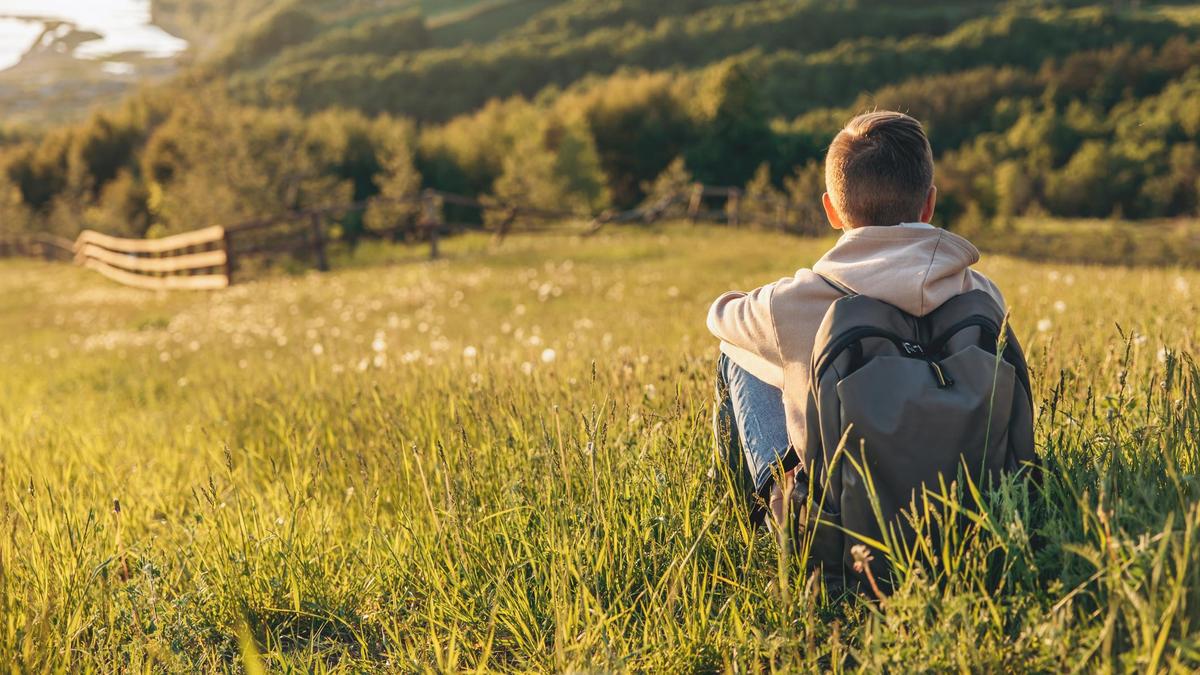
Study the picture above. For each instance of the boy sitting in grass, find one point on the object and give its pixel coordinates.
(879, 176)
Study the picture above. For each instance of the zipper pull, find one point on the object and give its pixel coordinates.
(940, 375)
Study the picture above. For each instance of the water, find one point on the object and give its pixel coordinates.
(124, 26)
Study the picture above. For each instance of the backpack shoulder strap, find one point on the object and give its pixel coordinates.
(836, 286)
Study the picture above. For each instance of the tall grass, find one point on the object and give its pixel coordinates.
(499, 461)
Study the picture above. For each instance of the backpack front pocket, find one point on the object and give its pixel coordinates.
(909, 420)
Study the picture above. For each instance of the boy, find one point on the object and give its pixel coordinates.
(879, 177)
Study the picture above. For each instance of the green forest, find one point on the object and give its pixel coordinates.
(1047, 110)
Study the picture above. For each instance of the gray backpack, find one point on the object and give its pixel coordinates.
(911, 401)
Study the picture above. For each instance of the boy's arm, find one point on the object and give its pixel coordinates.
(743, 320)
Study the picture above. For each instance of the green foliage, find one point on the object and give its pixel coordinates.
(640, 122)
(288, 26)
(736, 132)
(467, 76)
(763, 202)
(393, 34)
(1071, 111)
(398, 180)
(14, 214)
(674, 184)
(484, 20)
(206, 169)
(554, 166)
(804, 189)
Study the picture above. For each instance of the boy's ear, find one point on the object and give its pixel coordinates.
(930, 203)
(835, 221)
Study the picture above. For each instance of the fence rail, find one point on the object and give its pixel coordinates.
(207, 258)
(37, 245)
(192, 260)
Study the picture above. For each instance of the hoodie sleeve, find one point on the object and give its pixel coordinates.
(744, 321)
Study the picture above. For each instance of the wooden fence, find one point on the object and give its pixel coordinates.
(209, 258)
(37, 245)
(193, 260)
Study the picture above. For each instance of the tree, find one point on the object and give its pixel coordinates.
(556, 168)
(14, 215)
(804, 189)
(763, 203)
(123, 207)
(735, 135)
(670, 191)
(398, 181)
(1014, 189)
(206, 168)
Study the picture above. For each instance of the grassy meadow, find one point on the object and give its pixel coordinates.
(498, 461)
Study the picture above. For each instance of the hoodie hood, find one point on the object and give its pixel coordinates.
(914, 269)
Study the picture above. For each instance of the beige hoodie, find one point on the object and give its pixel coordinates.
(770, 331)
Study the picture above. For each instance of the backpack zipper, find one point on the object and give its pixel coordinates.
(1010, 353)
(834, 349)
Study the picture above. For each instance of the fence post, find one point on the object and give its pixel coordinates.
(507, 215)
(431, 220)
(694, 202)
(227, 244)
(318, 240)
(733, 207)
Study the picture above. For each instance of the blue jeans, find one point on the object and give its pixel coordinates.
(750, 426)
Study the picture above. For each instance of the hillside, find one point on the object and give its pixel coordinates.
(1035, 109)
